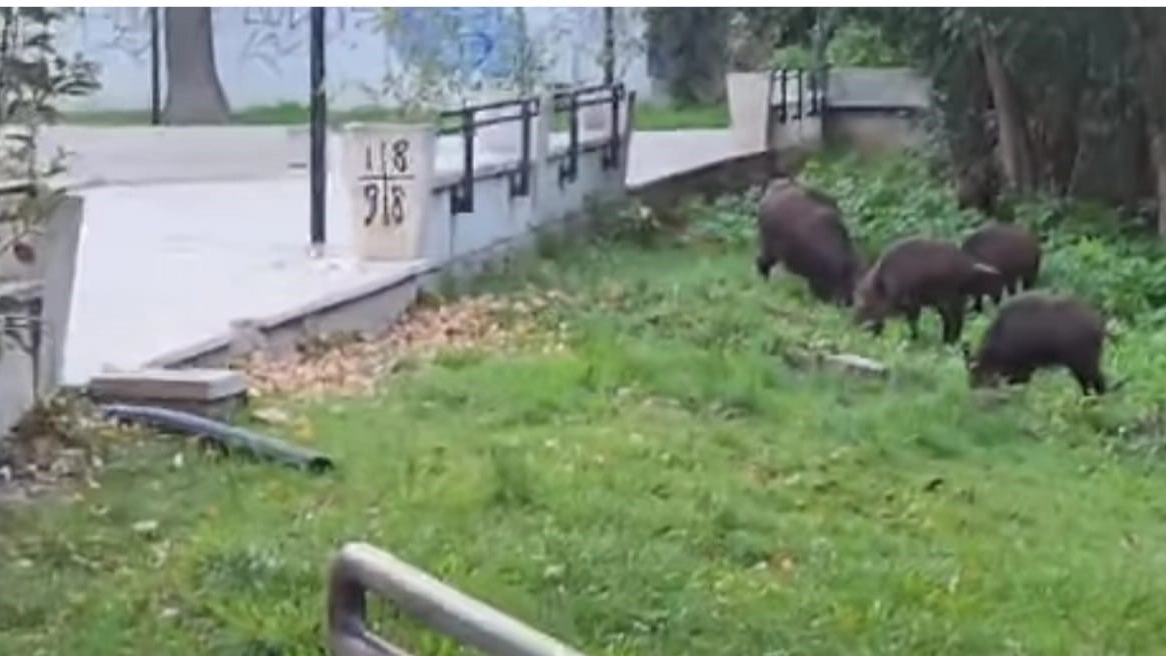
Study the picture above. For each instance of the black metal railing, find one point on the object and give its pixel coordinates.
(359, 571)
(570, 101)
(22, 324)
(808, 98)
(466, 121)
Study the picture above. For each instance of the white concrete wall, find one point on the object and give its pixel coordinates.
(17, 367)
(873, 110)
(262, 52)
(878, 87)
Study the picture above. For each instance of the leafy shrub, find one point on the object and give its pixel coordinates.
(858, 43)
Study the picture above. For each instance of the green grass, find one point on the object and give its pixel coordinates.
(651, 117)
(667, 484)
(281, 114)
(647, 117)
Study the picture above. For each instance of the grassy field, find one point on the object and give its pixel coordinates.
(647, 117)
(644, 469)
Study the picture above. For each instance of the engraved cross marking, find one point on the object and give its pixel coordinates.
(381, 182)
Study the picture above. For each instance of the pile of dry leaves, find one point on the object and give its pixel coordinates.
(55, 443)
(353, 365)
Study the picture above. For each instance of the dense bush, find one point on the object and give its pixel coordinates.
(1089, 250)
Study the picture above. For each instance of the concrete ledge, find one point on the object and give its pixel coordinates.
(729, 176)
(212, 393)
(170, 384)
(371, 307)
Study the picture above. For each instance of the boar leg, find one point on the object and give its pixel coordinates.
(951, 312)
(821, 290)
(1089, 377)
(1019, 376)
(977, 303)
(911, 314)
(764, 263)
(1012, 286)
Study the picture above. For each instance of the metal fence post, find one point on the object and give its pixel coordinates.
(318, 132)
(155, 66)
(609, 45)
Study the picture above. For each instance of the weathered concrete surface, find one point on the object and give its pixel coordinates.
(180, 384)
(657, 155)
(165, 266)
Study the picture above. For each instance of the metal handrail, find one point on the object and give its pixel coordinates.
(815, 94)
(462, 196)
(360, 568)
(571, 101)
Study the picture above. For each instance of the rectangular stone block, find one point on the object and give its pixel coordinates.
(193, 385)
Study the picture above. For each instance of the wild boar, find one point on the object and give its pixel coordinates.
(1010, 249)
(915, 273)
(802, 229)
(977, 186)
(1038, 330)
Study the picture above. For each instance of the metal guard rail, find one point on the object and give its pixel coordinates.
(359, 568)
(462, 195)
(781, 79)
(571, 101)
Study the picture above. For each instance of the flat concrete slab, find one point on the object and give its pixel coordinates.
(176, 384)
(164, 265)
(660, 154)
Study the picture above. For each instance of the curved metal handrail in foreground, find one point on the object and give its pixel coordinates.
(360, 567)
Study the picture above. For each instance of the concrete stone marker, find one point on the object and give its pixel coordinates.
(388, 172)
(215, 393)
(750, 95)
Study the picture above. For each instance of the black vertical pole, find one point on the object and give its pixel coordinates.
(609, 45)
(318, 132)
(155, 72)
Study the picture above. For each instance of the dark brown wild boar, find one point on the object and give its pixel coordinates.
(803, 230)
(1010, 249)
(977, 186)
(1036, 330)
(915, 273)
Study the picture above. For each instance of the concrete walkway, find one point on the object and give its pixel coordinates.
(165, 264)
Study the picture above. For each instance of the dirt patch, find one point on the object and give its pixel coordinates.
(353, 364)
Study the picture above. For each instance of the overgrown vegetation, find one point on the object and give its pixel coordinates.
(1027, 102)
(669, 479)
(34, 79)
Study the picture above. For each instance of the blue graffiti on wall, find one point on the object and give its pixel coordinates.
(482, 37)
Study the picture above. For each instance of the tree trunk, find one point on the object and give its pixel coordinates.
(194, 94)
(1015, 154)
(1158, 157)
(1148, 27)
(970, 144)
(688, 47)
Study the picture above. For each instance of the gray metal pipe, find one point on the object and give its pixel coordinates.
(360, 567)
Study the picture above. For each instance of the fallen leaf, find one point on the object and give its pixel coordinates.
(273, 416)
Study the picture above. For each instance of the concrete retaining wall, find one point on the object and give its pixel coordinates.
(875, 110)
(452, 243)
(18, 365)
(871, 110)
(35, 318)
